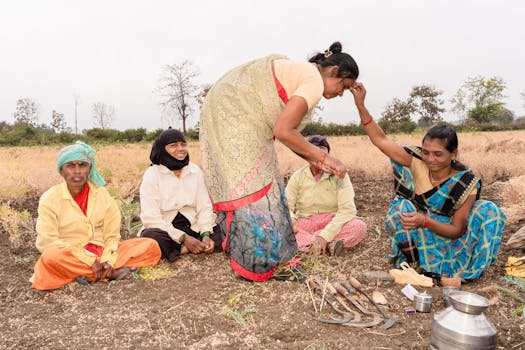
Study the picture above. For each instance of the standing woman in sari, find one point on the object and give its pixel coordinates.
(243, 113)
(436, 219)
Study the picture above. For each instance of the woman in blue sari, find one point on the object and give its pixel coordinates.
(436, 219)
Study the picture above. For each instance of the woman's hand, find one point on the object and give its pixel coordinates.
(318, 246)
(330, 165)
(359, 92)
(98, 270)
(209, 244)
(412, 220)
(194, 245)
(295, 225)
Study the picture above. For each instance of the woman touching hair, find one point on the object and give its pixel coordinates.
(436, 219)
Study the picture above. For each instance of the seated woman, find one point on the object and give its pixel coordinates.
(78, 228)
(322, 208)
(436, 218)
(176, 210)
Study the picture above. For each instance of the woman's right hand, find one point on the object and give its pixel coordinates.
(331, 165)
(194, 245)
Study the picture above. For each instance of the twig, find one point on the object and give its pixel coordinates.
(324, 293)
(312, 297)
(387, 334)
(381, 347)
(419, 335)
(176, 306)
(515, 346)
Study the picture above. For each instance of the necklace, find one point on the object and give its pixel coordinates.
(433, 181)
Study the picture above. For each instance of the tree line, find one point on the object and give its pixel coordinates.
(478, 104)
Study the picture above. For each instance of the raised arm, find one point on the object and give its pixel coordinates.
(391, 149)
(285, 130)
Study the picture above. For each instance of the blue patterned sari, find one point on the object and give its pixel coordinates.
(467, 256)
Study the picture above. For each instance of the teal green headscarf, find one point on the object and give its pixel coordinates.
(83, 153)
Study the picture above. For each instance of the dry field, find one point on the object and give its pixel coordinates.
(200, 304)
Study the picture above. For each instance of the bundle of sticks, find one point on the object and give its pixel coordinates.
(338, 294)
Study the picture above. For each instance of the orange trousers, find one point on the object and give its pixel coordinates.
(56, 268)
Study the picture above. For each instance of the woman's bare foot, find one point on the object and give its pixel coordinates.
(451, 281)
(124, 273)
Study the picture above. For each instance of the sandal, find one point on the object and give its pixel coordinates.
(84, 281)
(335, 248)
(408, 275)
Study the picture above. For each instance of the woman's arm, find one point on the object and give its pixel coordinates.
(391, 149)
(453, 230)
(285, 130)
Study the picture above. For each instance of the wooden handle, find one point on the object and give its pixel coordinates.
(330, 289)
(348, 287)
(342, 290)
(356, 284)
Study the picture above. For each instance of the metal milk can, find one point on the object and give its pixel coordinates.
(463, 325)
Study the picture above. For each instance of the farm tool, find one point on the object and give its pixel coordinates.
(390, 320)
(349, 317)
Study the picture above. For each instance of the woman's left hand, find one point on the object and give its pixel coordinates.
(209, 244)
(359, 92)
(412, 220)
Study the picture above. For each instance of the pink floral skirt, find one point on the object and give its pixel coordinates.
(353, 232)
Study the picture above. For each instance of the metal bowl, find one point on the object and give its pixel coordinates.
(469, 303)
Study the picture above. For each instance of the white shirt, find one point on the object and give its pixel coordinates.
(163, 195)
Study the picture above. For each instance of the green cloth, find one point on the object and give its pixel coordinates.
(82, 152)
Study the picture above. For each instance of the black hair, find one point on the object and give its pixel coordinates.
(335, 57)
(449, 137)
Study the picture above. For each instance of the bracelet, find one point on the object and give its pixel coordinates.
(368, 122)
(206, 234)
(182, 238)
(425, 220)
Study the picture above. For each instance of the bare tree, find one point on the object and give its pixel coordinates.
(178, 90)
(27, 111)
(58, 122)
(76, 98)
(204, 89)
(103, 114)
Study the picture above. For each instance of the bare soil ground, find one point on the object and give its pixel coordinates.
(188, 309)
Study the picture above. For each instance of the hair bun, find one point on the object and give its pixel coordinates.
(336, 47)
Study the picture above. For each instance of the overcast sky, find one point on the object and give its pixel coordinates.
(113, 51)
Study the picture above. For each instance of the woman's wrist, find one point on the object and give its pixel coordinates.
(366, 122)
(205, 234)
(425, 221)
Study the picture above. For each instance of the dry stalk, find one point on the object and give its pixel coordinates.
(311, 297)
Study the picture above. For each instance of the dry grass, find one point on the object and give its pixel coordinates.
(495, 156)
(186, 308)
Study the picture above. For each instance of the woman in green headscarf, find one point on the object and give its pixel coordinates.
(78, 228)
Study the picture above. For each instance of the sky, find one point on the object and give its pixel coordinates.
(113, 51)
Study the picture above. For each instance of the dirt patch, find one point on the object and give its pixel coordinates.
(188, 310)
